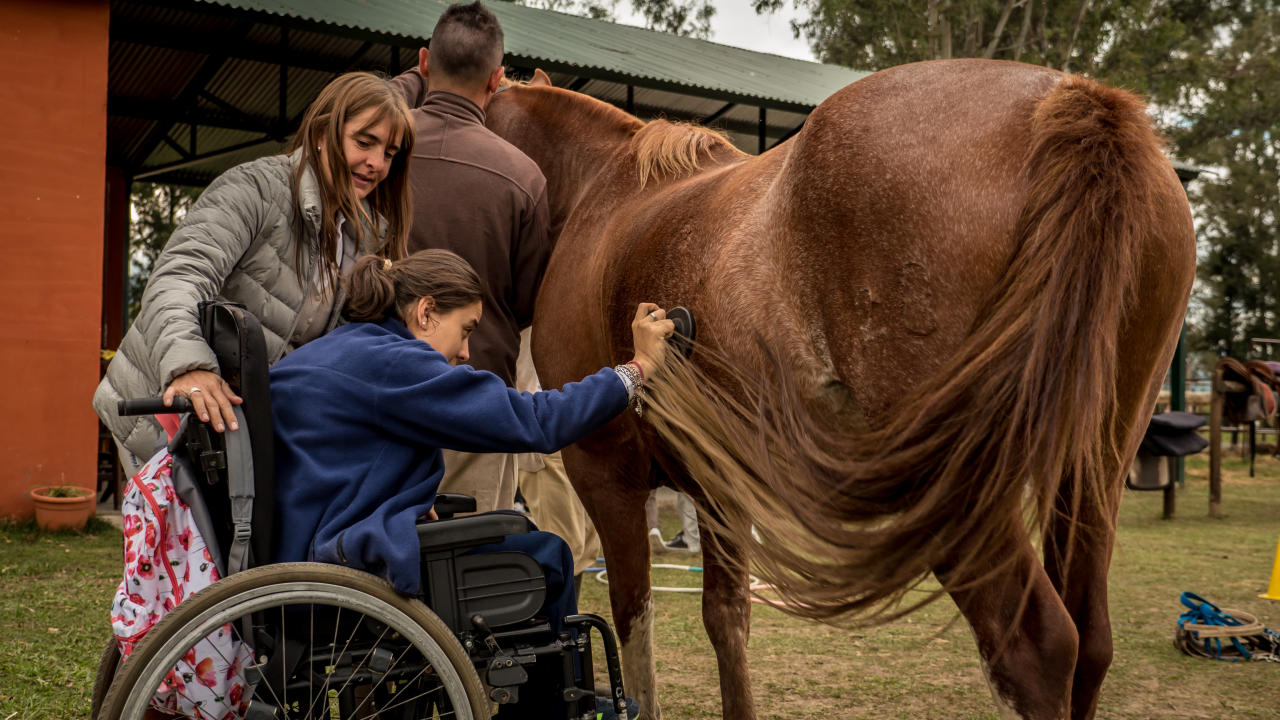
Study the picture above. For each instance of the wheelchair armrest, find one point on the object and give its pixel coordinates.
(450, 504)
(470, 531)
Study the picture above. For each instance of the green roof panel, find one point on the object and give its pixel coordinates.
(594, 48)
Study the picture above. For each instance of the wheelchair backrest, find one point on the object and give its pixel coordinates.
(237, 341)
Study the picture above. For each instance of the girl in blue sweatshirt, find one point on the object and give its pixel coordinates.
(362, 413)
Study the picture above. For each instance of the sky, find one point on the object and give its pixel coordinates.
(735, 23)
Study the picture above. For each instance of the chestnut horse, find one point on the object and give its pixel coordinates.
(932, 326)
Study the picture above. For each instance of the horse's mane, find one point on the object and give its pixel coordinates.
(661, 148)
(673, 149)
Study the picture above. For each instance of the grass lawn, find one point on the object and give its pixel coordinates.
(56, 589)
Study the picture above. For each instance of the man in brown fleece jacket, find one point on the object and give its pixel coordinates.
(477, 195)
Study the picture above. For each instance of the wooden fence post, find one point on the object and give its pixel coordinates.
(1215, 445)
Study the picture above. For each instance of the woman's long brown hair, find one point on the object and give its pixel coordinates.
(323, 126)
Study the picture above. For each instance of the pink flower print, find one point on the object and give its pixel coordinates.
(232, 670)
(145, 568)
(150, 538)
(190, 657)
(237, 691)
(207, 556)
(168, 604)
(184, 538)
(131, 525)
(205, 673)
(136, 599)
(174, 680)
(130, 556)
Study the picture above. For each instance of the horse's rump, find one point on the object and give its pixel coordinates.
(1012, 234)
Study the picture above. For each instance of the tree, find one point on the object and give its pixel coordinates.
(678, 17)
(1235, 127)
(156, 211)
(690, 18)
(1209, 67)
(598, 9)
(1133, 43)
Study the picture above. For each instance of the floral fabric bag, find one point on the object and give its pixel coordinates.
(166, 560)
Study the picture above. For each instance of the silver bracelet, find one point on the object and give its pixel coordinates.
(629, 374)
(630, 379)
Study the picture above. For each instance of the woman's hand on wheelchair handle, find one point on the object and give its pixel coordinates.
(649, 332)
(211, 397)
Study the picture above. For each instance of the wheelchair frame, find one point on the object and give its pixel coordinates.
(469, 642)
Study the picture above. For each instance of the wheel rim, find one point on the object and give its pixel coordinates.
(431, 679)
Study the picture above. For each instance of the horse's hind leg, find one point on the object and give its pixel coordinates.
(1082, 585)
(1027, 639)
(726, 614)
(615, 499)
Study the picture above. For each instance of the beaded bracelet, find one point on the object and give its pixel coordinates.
(633, 380)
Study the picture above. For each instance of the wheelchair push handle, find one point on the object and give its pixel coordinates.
(152, 406)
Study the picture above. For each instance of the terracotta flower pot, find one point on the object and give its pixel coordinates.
(61, 513)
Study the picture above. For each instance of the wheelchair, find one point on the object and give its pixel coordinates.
(331, 642)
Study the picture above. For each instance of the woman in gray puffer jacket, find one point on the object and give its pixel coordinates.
(273, 234)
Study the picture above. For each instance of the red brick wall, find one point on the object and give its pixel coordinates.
(53, 91)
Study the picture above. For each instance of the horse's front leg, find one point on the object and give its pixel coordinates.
(614, 498)
(726, 614)
(1082, 585)
(1026, 638)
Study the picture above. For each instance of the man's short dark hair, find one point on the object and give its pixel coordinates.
(466, 45)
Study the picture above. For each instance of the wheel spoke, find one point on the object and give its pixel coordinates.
(363, 662)
(420, 696)
(385, 656)
(392, 666)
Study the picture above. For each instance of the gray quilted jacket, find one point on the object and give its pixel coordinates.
(236, 243)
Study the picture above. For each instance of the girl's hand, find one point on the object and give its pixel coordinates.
(649, 333)
(211, 397)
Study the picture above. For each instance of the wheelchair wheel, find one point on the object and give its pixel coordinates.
(106, 673)
(328, 642)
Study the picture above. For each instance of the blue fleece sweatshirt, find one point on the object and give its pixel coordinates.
(361, 415)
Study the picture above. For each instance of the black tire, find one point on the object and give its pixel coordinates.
(106, 673)
(431, 674)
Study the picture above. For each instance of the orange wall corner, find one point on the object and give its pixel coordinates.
(53, 140)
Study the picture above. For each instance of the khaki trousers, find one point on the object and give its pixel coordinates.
(488, 477)
(555, 507)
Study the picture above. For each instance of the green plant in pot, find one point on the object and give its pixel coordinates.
(63, 507)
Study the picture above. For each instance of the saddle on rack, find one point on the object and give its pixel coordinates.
(1257, 401)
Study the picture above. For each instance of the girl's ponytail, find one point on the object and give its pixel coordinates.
(377, 286)
(371, 291)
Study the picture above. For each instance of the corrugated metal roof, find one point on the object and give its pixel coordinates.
(197, 85)
(568, 42)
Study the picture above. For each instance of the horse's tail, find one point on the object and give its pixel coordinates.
(846, 524)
